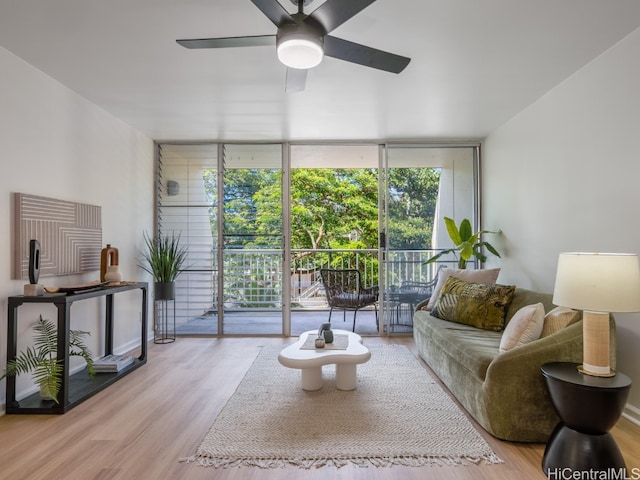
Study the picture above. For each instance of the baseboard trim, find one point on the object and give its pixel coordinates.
(632, 414)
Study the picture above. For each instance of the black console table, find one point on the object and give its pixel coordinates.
(77, 387)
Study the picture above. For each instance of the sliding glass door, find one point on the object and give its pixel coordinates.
(334, 224)
(252, 239)
(421, 185)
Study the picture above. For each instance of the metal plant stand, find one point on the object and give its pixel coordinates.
(164, 330)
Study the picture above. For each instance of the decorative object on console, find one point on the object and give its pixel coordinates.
(113, 274)
(41, 358)
(33, 288)
(73, 232)
(467, 244)
(70, 289)
(597, 283)
(112, 363)
(34, 261)
(109, 257)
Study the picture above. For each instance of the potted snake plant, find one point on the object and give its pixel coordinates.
(163, 259)
(40, 359)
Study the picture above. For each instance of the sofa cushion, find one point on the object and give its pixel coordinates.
(557, 319)
(488, 276)
(524, 297)
(524, 327)
(479, 305)
(474, 349)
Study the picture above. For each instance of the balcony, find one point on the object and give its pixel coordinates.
(253, 291)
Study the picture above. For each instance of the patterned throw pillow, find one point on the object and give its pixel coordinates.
(488, 276)
(475, 304)
(557, 319)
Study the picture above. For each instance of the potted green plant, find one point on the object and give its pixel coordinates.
(467, 243)
(41, 359)
(163, 259)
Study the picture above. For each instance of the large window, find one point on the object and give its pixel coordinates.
(260, 220)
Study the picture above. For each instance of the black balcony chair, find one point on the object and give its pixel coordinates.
(344, 292)
(419, 291)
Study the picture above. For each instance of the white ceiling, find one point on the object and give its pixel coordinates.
(475, 64)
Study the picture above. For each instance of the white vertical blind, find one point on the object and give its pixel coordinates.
(186, 190)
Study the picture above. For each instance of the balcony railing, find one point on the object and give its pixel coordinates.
(254, 278)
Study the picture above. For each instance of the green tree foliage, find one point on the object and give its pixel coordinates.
(333, 208)
(330, 208)
(252, 207)
(412, 206)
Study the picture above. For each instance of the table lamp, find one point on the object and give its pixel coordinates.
(597, 284)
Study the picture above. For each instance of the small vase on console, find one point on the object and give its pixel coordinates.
(113, 274)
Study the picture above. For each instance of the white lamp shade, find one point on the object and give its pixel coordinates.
(598, 282)
(302, 53)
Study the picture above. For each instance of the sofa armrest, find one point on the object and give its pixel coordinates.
(514, 389)
(562, 346)
(515, 384)
(422, 303)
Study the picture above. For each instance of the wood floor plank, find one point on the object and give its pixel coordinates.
(142, 425)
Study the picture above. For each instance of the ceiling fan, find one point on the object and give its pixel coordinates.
(302, 40)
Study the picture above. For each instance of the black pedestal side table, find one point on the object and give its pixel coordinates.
(588, 407)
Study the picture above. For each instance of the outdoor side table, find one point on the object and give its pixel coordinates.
(588, 407)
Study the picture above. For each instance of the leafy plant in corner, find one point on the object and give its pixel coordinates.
(467, 243)
(40, 359)
(164, 257)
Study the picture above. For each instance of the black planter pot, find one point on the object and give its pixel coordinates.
(165, 290)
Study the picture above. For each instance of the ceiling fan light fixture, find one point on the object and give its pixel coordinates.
(300, 51)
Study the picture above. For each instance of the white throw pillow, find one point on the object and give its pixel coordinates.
(524, 327)
(488, 276)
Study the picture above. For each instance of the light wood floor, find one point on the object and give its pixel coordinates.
(139, 427)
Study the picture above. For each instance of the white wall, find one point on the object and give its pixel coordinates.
(563, 175)
(56, 144)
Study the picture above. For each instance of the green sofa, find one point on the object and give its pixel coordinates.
(505, 393)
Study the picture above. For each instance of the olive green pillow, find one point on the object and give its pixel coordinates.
(475, 304)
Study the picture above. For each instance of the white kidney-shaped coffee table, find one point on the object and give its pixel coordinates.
(310, 362)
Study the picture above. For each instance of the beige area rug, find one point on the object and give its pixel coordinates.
(398, 415)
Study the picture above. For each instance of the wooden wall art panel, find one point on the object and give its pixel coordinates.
(70, 235)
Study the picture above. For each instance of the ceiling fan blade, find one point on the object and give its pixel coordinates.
(225, 42)
(333, 13)
(296, 79)
(363, 55)
(273, 11)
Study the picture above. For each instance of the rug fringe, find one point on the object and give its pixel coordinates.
(310, 463)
